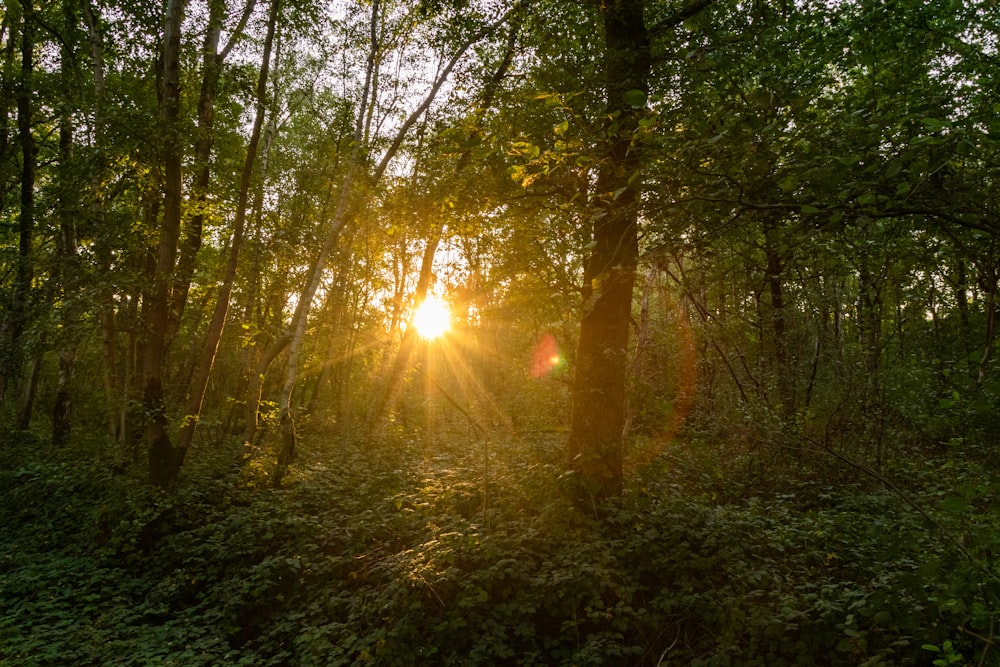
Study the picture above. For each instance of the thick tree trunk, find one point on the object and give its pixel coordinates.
(164, 460)
(594, 449)
(595, 446)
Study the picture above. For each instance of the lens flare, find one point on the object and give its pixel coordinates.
(432, 318)
(546, 356)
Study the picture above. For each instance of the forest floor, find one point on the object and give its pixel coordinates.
(469, 553)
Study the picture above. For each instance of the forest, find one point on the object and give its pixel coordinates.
(499, 332)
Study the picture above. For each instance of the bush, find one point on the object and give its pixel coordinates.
(388, 556)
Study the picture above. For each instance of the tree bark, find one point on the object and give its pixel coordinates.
(15, 319)
(595, 446)
(594, 449)
(164, 460)
(107, 310)
(774, 270)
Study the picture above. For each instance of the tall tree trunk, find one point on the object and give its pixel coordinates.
(190, 244)
(870, 306)
(774, 270)
(961, 286)
(15, 319)
(31, 386)
(107, 309)
(287, 447)
(251, 381)
(68, 266)
(594, 449)
(164, 459)
(6, 96)
(196, 392)
(643, 369)
(595, 446)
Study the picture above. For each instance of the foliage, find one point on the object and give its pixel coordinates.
(400, 555)
(812, 380)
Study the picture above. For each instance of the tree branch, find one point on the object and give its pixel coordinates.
(678, 17)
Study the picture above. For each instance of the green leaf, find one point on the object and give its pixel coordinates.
(955, 505)
(933, 124)
(635, 98)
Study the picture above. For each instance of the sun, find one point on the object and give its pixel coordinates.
(432, 318)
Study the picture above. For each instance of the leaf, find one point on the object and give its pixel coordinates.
(635, 98)
(789, 183)
(955, 505)
(934, 124)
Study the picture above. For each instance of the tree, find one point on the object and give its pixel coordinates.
(595, 448)
(199, 381)
(16, 314)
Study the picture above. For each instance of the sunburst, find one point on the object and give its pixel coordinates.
(432, 318)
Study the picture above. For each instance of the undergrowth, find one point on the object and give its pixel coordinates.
(403, 554)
